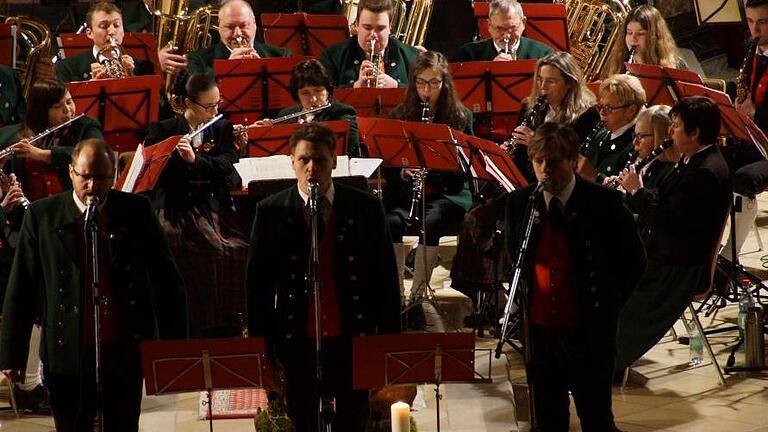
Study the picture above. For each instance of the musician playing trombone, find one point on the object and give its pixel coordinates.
(196, 211)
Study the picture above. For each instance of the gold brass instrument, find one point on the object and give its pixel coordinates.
(376, 59)
(34, 50)
(176, 26)
(742, 80)
(418, 22)
(593, 27)
(110, 57)
(241, 41)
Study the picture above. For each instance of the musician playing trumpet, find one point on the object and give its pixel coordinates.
(42, 166)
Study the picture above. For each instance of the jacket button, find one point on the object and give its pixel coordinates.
(359, 316)
(60, 324)
(61, 307)
(351, 221)
(593, 289)
(60, 342)
(351, 258)
(339, 237)
(292, 276)
(355, 297)
(589, 257)
(356, 62)
(75, 310)
(353, 278)
(288, 336)
(597, 304)
(132, 303)
(61, 272)
(294, 257)
(290, 317)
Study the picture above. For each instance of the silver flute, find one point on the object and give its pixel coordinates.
(8, 150)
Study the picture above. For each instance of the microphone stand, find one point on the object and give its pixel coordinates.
(326, 405)
(92, 252)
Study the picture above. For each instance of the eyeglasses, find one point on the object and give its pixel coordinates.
(209, 107)
(639, 136)
(607, 109)
(88, 177)
(433, 83)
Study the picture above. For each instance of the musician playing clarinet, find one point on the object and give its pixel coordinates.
(584, 259)
(196, 211)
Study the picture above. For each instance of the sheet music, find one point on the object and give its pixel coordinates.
(134, 170)
(342, 167)
(364, 166)
(279, 167)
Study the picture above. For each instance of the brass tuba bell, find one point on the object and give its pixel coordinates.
(33, 53)
(110, 57)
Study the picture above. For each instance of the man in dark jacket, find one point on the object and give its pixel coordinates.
(51, 278)
(358, 282)
(584, 258)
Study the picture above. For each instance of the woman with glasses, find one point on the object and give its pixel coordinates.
(43, 166)
(430, 97)
(645, 32)
(560, 80)
(196, 211)
(606, 150)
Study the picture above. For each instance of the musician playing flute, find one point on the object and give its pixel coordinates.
(42, 166)
(196, 211)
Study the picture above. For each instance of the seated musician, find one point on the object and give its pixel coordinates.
(646, 31)
(311, 87)
(349, 62)
(12, 103)
(506, 23)
(42, 166)
(687, 213)
(104, 23)
(237, 31)
(196, 211)
(430, 97)
(606, 151)
(567, 100)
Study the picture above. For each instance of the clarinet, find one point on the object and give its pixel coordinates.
(418, 177)
(527, 121)
(425, 111)
(588, 141)
(641, 163)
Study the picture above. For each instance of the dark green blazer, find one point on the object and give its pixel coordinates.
(78, 68)
(12, 104)
(337, 111)
(84, 128)
(342, 61)
(484, 50)
(609, 156)
(45, 281)
(364, 267)
(201, 61)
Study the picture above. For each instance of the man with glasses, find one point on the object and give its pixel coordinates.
(607, 150)
(506, 23)
(349, 62)
(51, 279)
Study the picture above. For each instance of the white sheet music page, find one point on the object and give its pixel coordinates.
(134, 170)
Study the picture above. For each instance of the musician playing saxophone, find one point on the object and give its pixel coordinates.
(104, 21)
(311, 87)
(196, 212)
(42, 166)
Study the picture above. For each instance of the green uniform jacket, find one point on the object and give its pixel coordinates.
(201, 61)
(484, 50)
(364, 267)
(343, 61)
(337, 111)
(12, 105)
(609, 156)
(78, 68)
(84, 128)
(45, 281)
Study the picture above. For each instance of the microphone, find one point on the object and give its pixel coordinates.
(90, 211)
(540, 187)
(312, 186)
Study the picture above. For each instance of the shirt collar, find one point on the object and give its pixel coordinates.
(81, 206)
(620, 131)
(564, 194)
(329, 194)
(512, 48)
(688, 159)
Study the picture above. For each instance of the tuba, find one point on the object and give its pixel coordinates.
(110, 56)
(33, 47)
(593, 28)
(175, 25)
(417, 23)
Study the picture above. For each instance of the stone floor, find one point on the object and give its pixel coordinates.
(673, 399)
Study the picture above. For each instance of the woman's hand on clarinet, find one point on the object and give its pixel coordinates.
(522, 134)
(630, 180)
(14, 196)
(185, 150)
(24, 149)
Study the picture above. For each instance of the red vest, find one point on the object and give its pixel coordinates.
(330, 322)
(758, 86)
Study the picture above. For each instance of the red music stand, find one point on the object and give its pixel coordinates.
(494, 92)
(303, 34)
(371, 102)
(270, 141)
(658, 81)
(253, 88)
(488, 161)
(434, 358)
(7, 45)
(138, 45)
(545, 23)
(149, 167)
(124, 107)
(178, 366)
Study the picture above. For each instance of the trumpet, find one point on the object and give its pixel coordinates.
(375, 58)
(541, 102)
(9, 150)
(110, 56)
(241, 41)
(506, 45)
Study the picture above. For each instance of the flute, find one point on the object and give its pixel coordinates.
(205, 126)
(8, 150)
(289, 117)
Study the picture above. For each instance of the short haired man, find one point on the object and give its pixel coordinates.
(506, 23)
(687, 213)
(237, 29)
(140, 290)
(358, 281)
(584, 259)
(104, 21)
(349, 62)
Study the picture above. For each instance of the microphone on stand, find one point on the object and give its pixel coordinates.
(90, 211)
(313, 184)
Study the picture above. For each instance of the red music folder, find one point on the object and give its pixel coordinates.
(488, 161)
(273, 140)
(371, 102)
(658, 81)
(147, 165)
(306, 35)
(545, 23)
(124, 107)
(138, 45)
(254, 88)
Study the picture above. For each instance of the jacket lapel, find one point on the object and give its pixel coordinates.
(64, 225)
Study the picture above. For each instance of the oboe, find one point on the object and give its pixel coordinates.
(8, 150)
(527, 121)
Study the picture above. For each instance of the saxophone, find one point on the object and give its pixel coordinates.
(742, 80)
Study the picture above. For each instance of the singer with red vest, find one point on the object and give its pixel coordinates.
(584, 259)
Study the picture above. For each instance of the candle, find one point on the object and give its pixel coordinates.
(401, 417)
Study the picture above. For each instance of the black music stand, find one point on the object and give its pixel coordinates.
(433, 358)
(273, 140)
(545, 23)
(138, 45)
(254, 88)
(494, 92)
(124, 107)
(179, 366)
(303, 34)
(371, 102)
